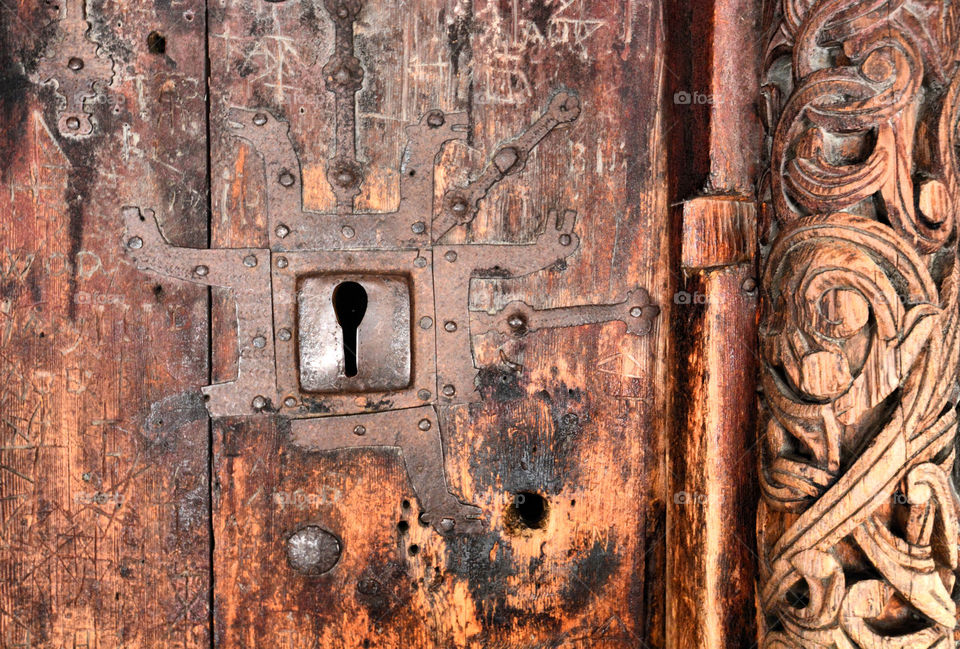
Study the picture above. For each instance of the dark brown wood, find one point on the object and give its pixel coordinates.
(581, 427)
(104, 511)
(715, 142)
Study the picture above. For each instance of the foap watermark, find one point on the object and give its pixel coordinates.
(695, 98)
(689, 498)
(302, 499)
(99, 299)
(683, 297)
(99, 498)
(899, 498)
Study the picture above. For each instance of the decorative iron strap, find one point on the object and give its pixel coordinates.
(420, 331)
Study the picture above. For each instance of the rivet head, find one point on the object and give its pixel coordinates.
(259, 403)
(312, 550)
(285, 178)
(419, 227)
(359, 430)
(435, 119)
(636, 312)
(424, 424)
(516, 321)
(260, 119)
(282, 262)
(426, 322)
(135, 243)
(449, 390)
(342, 75)
(749, 285)
(420, 262)
(73, 123)
(283, 334)
(282, 230)
(450, 256)
(423, 395)
(250, 261)
(565, 240)
(458, 205)
(75, 63)
(450, 325)
(447, 524)
(344, 177)
(201, 271)
(348, 232)
(259, 342)
(289, 402)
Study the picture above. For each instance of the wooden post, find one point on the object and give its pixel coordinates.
(711, 493)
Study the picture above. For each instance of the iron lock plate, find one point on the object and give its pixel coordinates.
(421, 360)
(353, 332)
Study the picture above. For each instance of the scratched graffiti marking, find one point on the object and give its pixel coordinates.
(510, 42)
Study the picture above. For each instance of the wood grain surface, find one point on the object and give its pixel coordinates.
(104, 497)
(714, 141)
(130, 519)
(582, 426)
(860, 338)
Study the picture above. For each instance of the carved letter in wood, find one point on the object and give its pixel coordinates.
(859, 333)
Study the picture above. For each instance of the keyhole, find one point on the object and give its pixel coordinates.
(349, 303)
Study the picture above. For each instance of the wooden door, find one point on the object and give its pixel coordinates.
(343, 323)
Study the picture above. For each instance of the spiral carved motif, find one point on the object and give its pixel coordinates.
(857, 524)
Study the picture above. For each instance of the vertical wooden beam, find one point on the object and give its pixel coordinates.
(104, 517)
(712, 85)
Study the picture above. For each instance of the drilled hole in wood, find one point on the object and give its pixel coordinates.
(528, 511)
(156, 43)
(403, 526)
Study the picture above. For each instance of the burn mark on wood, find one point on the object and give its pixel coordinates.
(170, 413)
(458, 39)
(499, 384)
(589, 574)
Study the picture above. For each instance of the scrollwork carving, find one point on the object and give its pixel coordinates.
(857, 525)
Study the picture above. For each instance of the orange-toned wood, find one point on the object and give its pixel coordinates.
(857, 525)
(714, 147)
(104, 514)
(582, 426)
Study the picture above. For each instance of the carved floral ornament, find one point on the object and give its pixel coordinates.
(857, 524)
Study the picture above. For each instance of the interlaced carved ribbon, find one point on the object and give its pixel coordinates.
(859, 335)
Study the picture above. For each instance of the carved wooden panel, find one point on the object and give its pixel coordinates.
(857, 527)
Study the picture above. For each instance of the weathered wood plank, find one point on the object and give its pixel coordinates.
(104, 510)
(581, 427)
